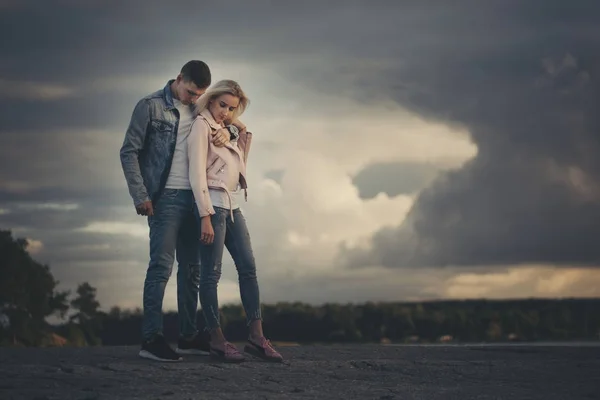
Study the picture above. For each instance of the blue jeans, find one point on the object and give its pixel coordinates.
(234, 236)
(173, 230)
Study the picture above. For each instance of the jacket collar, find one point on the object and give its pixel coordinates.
(214, 125)
(168, 95)
(209, 118)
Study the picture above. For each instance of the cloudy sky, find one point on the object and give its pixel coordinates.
(402, 150)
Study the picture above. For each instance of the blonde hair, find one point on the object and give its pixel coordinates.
(225, 86)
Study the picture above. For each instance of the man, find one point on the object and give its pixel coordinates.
(154, 161)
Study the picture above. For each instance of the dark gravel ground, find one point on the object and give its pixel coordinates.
(310, 372)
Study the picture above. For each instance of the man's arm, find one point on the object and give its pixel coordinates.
(222, 136)
(245, 138)
(132, 145)
(238, 124)
(244, 143)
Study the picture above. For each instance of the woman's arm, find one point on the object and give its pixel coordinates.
(198, 155)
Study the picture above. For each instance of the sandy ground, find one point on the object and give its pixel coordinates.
(310, 372)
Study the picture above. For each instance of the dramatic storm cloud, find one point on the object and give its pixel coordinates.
(388, 136)
(526, 88)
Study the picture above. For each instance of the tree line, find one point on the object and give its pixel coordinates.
(29, 295)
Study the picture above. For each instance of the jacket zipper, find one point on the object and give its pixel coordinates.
(211, 165)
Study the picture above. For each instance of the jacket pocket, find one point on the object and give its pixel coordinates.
(161, 126)
(216, 167)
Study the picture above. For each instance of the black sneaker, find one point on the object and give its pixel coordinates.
(199, 345)
(158, 350)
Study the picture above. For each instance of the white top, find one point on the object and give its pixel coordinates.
(179, 174)
(218, 197)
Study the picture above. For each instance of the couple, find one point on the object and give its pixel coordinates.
(184, 158)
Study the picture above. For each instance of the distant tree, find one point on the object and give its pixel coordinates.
(87, 316)
(27, 293)
(74, 334)
(85, 303)
(115, 312)
(427, 322)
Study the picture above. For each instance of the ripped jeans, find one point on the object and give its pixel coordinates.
(234, 236)
(173, 230)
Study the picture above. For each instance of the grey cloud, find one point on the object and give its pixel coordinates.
(75, 161)
(393, 178)
(532, 193)
(275, 174)
(80, 111)
(74, 42)
(30, 90)
(62, 248)
(61, 194)
(53, 220)
(28, 216)
(323, 287)
(98, 258)
(114, 263)
(69, 47)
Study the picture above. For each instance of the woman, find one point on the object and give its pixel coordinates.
(217, 176)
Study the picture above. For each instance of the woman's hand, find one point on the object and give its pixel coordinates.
(207, 233)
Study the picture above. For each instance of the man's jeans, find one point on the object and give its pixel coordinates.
(234, 236)
(173, 227)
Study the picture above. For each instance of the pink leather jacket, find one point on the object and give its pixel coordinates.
(206, 162)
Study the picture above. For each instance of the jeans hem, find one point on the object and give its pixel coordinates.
(250, 321)
(152, 336)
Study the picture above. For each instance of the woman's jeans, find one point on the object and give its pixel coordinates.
(234, 236)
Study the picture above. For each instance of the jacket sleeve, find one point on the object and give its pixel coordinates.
(244, 143)
(198, 155)
(133, 143)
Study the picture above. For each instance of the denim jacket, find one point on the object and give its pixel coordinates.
(147, 151)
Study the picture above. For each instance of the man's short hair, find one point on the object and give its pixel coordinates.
(197, 72)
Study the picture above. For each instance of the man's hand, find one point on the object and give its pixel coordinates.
(221, 137)
(238, 124)
(145, 208)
